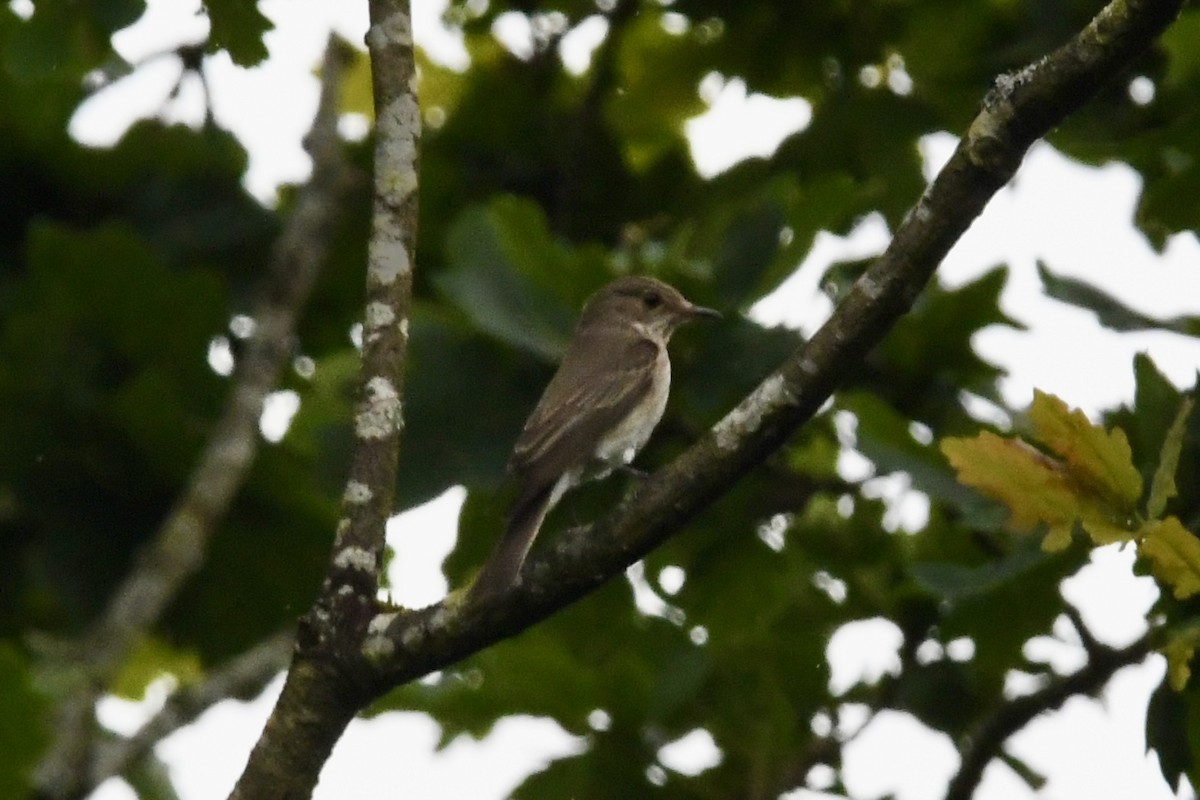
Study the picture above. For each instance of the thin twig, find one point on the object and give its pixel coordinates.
(242, 676)
(1091, 645)
(987, 740)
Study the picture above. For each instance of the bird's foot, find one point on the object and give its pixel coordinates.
(634, 472)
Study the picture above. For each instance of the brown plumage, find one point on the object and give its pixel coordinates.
(596, 413)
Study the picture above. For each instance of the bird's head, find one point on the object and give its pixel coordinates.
(653, 307)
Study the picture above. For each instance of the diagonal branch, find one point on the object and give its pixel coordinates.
(178, 549)
(987, 741)
(1021, 108)
(245, 675)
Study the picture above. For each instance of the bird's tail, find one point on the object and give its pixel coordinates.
(501, 568)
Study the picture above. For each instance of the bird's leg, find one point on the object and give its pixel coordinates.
(633, 472)
(602, 467)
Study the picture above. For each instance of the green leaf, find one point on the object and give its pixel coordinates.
(659, 73)
(40, 49)
(237, 26)
(1163, 488)
(956, 582)
(107, 396)
(1168, 204)
(63, 40)
(1023, 578)
(706, 381)
(749, 246)
(465, 401)
(151, 779)
(840, 141)
(788, 212)
(927, 360)
(23, 731)
(885, 436)
(150, 659)
(1179, 41)
(440, 87)
(940, 695)
(1173, 731)
(1110, 311)
(1147, 420)
(487, 249)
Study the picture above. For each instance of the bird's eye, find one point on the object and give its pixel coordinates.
(652, 300)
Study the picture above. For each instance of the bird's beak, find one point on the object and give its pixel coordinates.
(701, 311)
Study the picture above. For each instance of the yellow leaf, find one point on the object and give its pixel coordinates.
(1174, 555)
(1179, 664)
(1179, 650)
(355, 92)
(1031, 485)
(1104, 532)
(1100, 460)
(1057, 538)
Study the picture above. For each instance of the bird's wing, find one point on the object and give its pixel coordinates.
(582, 402)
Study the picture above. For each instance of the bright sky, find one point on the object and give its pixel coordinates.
(1075, 218)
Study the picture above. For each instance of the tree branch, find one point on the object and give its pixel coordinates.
(349, 652)
(352, 579)
(1091, 645)
(326, 686)
(178, 549)
(1021, 108)
(988, 739)
(246, 675)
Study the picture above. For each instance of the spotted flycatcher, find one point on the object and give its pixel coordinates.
(595, 414)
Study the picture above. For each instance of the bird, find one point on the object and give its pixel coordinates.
(595, 414)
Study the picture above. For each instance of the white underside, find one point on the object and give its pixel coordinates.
(624, 442)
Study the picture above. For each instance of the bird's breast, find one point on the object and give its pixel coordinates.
(624, 441)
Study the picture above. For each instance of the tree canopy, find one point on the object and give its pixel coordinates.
(125, 453)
